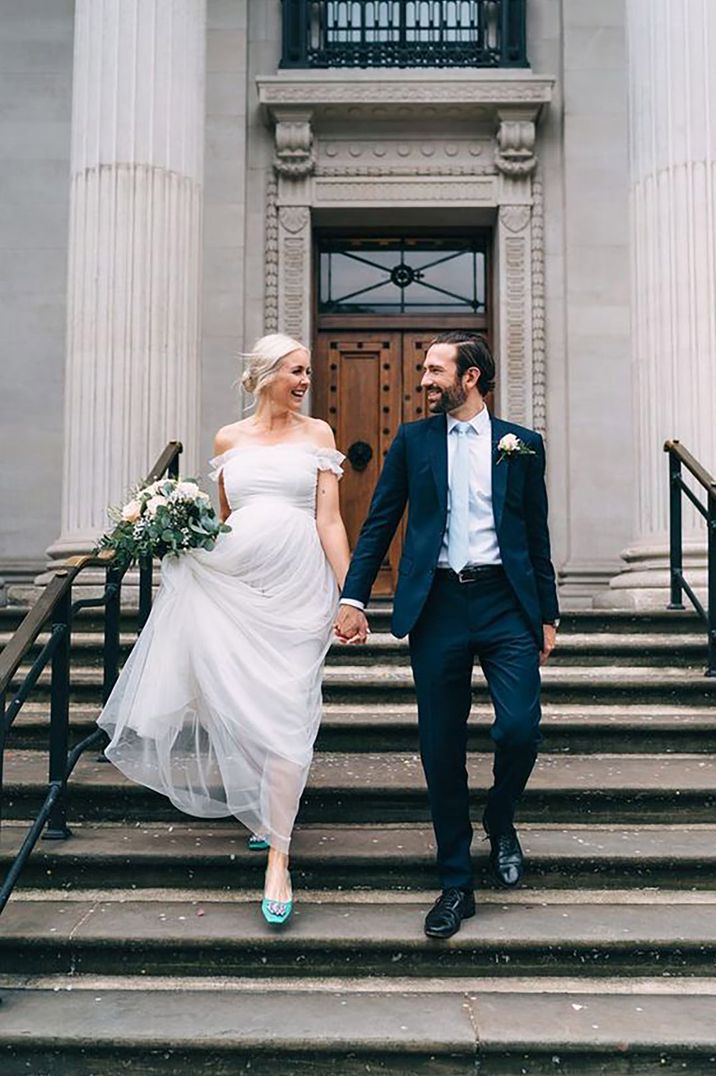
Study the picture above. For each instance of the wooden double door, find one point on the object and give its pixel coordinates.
(365, 384)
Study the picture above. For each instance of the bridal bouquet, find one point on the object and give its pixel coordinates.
(163, 519)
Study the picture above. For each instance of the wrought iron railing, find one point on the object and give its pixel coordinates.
(679, 457)
(56, 608)
(404, 33)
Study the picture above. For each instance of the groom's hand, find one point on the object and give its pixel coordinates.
(351, 625)
(550, 638)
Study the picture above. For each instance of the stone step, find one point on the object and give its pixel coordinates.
(380, 935)
(671, 622)
(636, 648)
(581, 728)
(104, 855)
(389, 787)
(382, 683)
(95, 1031)
(574, 648)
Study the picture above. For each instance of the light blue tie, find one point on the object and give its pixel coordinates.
(459, 526)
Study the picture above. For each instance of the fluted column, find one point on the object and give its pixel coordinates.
(672, 131)
(132, 374)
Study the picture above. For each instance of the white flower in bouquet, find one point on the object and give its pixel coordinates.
(185, 491)
(131, 511)
(154, 503)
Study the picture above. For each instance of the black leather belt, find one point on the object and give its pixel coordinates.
(473, 573)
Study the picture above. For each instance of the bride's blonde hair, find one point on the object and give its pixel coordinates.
(264, 359)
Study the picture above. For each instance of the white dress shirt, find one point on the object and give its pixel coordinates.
(484, 548)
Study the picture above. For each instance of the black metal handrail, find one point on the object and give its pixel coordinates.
(55, 606)
(680, 457)
(409, 33)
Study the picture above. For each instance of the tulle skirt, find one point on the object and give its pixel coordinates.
(219, 703)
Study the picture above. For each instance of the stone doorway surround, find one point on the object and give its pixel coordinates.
(445, 140)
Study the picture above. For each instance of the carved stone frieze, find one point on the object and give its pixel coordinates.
(515, 152)
(395, 169)
(386, 90)
(368, 190)
(438, 153)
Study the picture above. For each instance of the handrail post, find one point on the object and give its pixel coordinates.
(3, 734)
(57, 829)
(146, 571)
(711, 568)
(110, 654)
(676, 553)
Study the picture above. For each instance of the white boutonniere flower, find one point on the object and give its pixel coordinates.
(511, 445)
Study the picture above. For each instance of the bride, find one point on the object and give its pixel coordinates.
(219, 703)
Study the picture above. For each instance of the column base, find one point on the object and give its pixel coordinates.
(644, 584)
(580, 581)
(16, 580)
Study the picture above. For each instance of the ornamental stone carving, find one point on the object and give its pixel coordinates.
(294, 147)
(515, 153)
(294, 218)
(515, 217)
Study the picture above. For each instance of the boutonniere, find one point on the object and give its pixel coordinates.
(511, 445)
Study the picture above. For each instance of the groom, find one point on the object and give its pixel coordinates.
(475, 579)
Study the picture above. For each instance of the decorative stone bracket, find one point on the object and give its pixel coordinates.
(515, 153)
(294, 145)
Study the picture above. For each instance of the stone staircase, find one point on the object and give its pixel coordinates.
(137, 946)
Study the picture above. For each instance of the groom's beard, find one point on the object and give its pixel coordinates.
(450, 399)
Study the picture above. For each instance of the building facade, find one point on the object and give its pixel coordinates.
(181, 176)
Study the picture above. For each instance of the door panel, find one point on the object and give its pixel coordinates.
(357, 389)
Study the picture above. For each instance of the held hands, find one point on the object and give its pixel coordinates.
(351, 625)
(550, 638)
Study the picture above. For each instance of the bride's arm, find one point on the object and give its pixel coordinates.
(221, 444)
(330, 526)
(329, 522)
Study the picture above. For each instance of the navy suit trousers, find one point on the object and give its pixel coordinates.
(461, 621)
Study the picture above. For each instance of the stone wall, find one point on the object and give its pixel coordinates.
(35, 88)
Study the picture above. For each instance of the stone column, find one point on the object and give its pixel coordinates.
(132, 375)
(672, 135)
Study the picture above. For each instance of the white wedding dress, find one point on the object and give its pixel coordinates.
(219, 702)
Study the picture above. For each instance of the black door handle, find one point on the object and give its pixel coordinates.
(360, 454)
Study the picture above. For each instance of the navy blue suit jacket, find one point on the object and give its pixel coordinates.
(415, 473)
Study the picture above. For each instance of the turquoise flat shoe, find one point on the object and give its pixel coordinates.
(257, 843)
(276, 912)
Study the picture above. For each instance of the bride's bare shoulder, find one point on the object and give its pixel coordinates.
(229, 436)
(320, 432)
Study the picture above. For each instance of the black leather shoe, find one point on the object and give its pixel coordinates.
(447, 913)
(506, 859)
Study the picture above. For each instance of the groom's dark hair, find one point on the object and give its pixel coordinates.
(472, 350)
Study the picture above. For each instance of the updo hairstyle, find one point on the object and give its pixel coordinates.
(263, 362)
